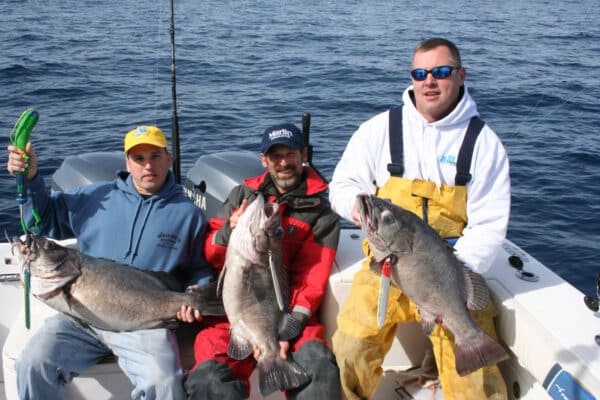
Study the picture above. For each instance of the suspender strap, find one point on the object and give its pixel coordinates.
(465, 154)
(396, 167)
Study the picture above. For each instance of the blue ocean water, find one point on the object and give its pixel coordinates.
(95, 69)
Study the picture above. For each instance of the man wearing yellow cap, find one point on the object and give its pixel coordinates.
(141, 218)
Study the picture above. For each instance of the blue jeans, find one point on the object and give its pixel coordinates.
(63, 348)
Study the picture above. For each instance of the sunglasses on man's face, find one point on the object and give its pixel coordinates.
(420, 74)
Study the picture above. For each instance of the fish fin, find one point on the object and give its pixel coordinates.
(291, 325)
(206, 300)
(472, 355)
(428, 321)
(276, 373)
(239, 350)
(239, 346)
(477, 291)
(427, 325)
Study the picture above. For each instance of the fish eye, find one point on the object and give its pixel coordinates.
(278, 233)
(388, 217)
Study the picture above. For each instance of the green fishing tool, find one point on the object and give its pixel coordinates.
(27, 285)
(19, 137)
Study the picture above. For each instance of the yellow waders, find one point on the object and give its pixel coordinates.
(360, 346)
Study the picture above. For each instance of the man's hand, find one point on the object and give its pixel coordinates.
(284, 347)
(235, 216)
(188, 314)
(18, 163)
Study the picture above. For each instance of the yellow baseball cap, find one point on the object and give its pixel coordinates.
(145, 134)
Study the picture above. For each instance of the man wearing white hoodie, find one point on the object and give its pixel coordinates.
(436, 158)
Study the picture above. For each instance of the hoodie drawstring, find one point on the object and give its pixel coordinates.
(143, 225)
(132, 229)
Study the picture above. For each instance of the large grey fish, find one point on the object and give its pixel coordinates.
(426, 269)
(104, 293)
(249, 292)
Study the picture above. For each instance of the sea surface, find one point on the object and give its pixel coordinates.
(96, 69)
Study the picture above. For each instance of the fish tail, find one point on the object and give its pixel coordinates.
(206, 300)
(275, 373)
(472, 355)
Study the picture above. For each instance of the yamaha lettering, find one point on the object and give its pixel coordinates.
(194, 194)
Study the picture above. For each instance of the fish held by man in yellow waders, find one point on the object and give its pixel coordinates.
(425, 268)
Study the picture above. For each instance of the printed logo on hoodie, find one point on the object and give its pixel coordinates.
(168, 240)
(448, 159)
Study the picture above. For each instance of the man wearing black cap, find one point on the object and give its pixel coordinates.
(311, 234)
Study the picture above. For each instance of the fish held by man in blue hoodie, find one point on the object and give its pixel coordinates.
(106, 294)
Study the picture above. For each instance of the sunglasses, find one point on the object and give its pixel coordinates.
(420, 74)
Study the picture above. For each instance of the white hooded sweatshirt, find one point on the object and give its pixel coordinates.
(430, 153)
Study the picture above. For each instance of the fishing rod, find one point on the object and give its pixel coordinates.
(307, 145)
(175, 119)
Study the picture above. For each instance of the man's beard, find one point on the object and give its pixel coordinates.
(289, 183)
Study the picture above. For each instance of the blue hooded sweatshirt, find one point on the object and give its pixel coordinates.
(162, 232)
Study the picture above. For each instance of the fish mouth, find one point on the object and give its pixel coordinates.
(365, 207)
(372, 214)
(22, 248)
(267, 230)
(270, 209)
(272, 225)
(31, 250)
